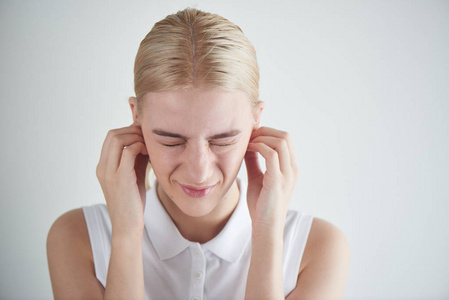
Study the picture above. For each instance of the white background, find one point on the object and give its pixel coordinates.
(363, 87)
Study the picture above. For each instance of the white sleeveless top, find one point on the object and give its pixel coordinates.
(175, 268)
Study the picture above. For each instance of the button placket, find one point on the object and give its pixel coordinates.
(198, 272)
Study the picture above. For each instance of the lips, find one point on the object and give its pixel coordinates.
(197, 192)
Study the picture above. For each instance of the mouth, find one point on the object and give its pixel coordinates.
(197, 192)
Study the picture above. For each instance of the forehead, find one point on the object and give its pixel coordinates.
(194, 110)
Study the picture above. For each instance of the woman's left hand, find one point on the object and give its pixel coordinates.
(269, 193)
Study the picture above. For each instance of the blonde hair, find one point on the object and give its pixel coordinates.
(196, 49)
(193, 48)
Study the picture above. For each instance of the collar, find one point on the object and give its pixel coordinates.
(168, 242)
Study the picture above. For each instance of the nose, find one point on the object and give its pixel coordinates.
(198, 161)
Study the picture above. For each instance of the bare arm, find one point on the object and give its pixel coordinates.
(70, 259)
(265, 277)
(269, 194)
(323, 271)
(71, 264)
(325, 264)
(121, 172)
(125, 273)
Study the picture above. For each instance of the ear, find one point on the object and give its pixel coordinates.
(133, 105)
(257, 113)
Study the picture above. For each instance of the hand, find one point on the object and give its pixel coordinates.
(121, 173)
(269, 193)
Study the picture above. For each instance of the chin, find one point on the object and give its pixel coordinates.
(196, 207)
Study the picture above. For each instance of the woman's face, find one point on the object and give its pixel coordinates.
(196, 141)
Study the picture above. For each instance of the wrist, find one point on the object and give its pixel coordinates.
(265, 277)
(126, 238)
(268, 231)
(268, 242)
(124, 228)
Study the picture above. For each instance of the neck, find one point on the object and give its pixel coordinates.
(202, 229)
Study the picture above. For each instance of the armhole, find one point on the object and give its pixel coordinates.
(296, 233)
(99, 236)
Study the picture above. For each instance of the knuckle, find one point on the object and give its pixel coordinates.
(132, 149)
(272, 153)
(285, 135)
(111, 133)
(127, 151)
(116, 140)
(283, 144)
(296, 172)
(99, 171)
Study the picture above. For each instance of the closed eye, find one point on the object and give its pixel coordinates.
(171, 145)
(223, 142)
(221, 145)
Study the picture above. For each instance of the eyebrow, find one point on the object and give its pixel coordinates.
(223, 135)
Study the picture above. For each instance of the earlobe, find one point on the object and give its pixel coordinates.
(133, 105)
(257, 113)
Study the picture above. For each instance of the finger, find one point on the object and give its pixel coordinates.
(252, 165)
(129, 154)
(267, 131)
(116, 147)
(280, 146)
(271, 157)
(133, 128)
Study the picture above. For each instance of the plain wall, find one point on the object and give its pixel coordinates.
(362, 86)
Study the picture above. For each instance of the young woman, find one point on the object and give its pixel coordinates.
(198, 232)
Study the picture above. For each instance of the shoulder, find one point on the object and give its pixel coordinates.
(325, 236)
(69, 255)
(326, 244)
(69, 227)
(325, 264)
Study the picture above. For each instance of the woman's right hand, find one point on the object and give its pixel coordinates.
(121, 173)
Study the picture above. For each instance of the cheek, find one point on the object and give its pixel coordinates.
(231, 160)
(162, 161)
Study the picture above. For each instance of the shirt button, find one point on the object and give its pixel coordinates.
(197, 252)
(198, 274)
(196, 298)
